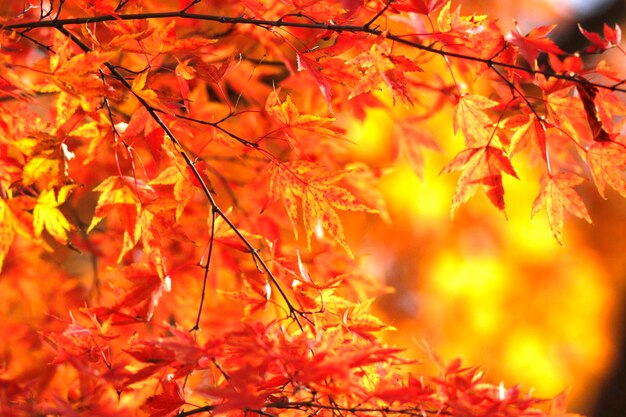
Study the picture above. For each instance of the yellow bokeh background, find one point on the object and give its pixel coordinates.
(498, 292)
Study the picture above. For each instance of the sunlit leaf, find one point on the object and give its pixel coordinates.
(481, 167)
(47, 215)
(607, 160)
(557, 193)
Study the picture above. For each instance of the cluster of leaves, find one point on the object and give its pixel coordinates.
(171, 157)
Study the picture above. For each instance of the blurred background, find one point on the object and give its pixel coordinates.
(502, 294)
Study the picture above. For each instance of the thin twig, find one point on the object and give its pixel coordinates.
(206, 268)
(294, 313)
(304, 25)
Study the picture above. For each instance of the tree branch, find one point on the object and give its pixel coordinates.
(294, 313)
(303, 25)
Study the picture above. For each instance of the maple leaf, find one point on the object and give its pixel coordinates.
(181, 176)
(141, 299)
(557, 193)
(80, 341)
(313, 68)
(607, 160)
(379, 65)
(183, 187)
(526, 128)
(612, 37)
(184, 73)
(319, 196)
(413, 138)
(603, 68)
(45, 159)
(481, 167)
(288, 115)
(418, 6)
(95, 134)
(47, 215)
(140, 88)
(535, 42)
(568, 114)
(470, 118)
(126, 196)
(363, 184)
(588, 94)
(359, 320)
(212, 73)
(79, 75)
(609, 109)
(167, 40)
(168, 402)
(178, 349)
(471, 35)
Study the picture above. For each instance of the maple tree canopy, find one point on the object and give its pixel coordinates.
(174, 174)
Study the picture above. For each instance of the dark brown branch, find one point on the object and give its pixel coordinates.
(217, 126)
(305, 25)
(206, 268)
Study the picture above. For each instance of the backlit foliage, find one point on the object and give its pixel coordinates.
(174, 175)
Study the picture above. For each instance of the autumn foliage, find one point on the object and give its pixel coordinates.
(174, 176)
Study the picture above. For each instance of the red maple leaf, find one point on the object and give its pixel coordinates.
(612, 37)
(168, 402)
(534, 42)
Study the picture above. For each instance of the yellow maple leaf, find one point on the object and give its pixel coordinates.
(139, 87)
(45, 159)
(47, 215)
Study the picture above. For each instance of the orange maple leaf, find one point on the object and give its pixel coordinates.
(313, 68)
(46, 159)
(126, 196)
(607, 160)
(319, 196)
(287, 114)
(378, 65)
(481, 167)
(527, 129)
(79, 75)
(557, 193)
(470, 118)
(140, 88)
(183, 188)
(413, 138)
(167, 40)
(359, 320)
